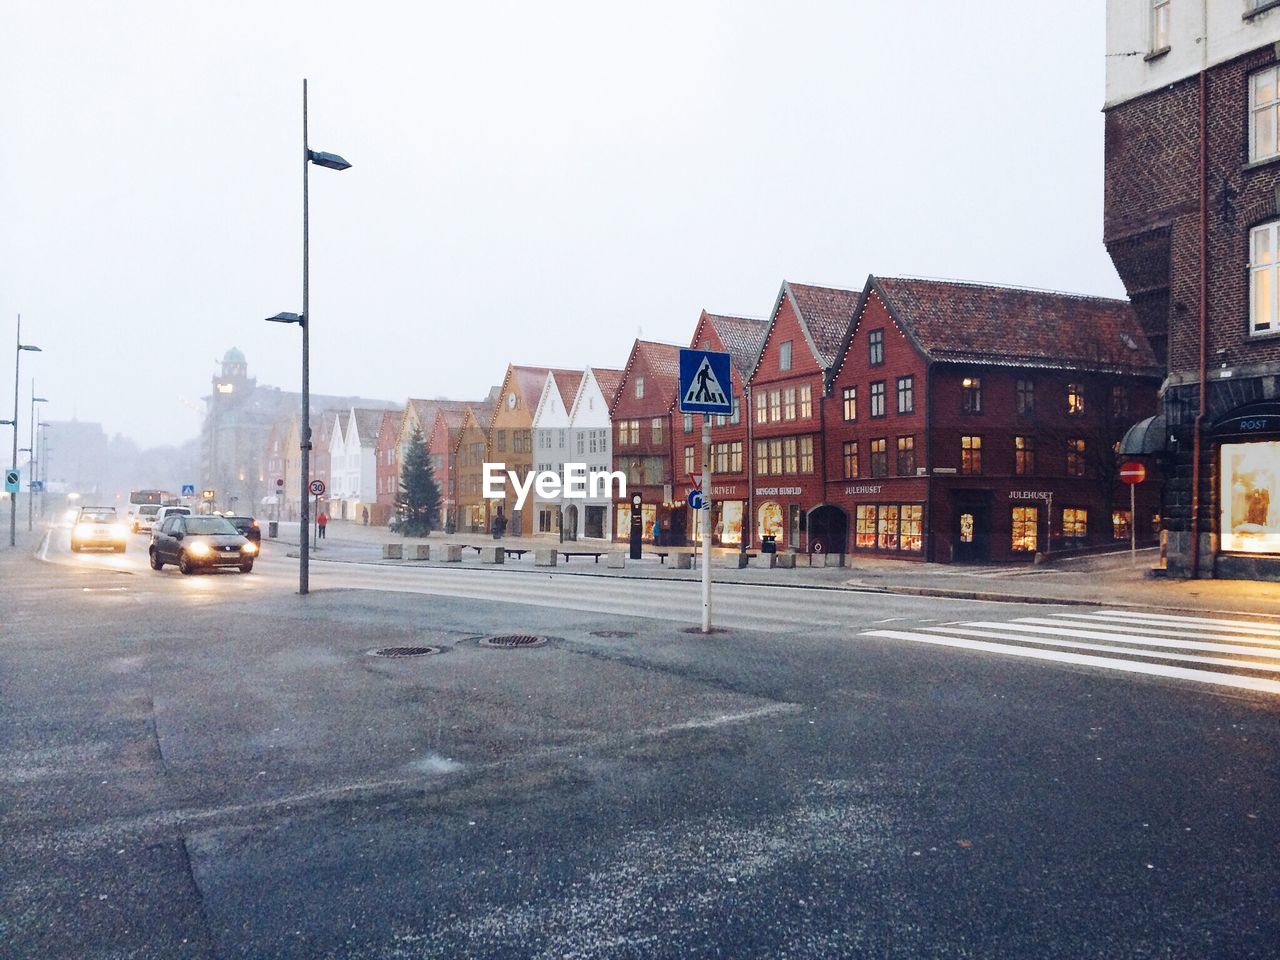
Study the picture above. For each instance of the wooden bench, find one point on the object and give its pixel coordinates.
(466, 546)
(517, 552)
(661, 555)
(581, 553)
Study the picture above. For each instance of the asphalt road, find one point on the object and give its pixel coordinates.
(212, 766)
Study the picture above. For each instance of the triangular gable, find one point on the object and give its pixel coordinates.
(662, 360)
(816, 309)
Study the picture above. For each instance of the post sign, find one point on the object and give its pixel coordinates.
(316, 487)
(705, 385)
(12, 481)
(1132, 472)
(696, 501)
(188, 489)
(637, 526)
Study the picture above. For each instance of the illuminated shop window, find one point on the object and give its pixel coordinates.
(865, 531)
(1075, 523)
(1251, 497)
(1120, 520)
(1026, 526)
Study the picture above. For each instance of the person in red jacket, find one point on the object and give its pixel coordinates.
(322, 521)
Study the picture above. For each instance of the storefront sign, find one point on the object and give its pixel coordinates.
(779, 491)
(1030, 494)
(864, 488)
(726, 491)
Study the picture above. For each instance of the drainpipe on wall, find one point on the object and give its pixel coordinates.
(1204, 325)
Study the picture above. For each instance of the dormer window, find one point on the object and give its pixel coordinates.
(639, 388)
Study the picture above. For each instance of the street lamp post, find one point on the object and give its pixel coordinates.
(333, 162)
(32, 460)
(17, 370)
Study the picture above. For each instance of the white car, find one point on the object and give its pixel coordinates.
(167, 512)
(143, 517)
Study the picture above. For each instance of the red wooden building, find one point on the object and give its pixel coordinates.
(806, 329)
(741, 338)
(971, 423)
(642, 427)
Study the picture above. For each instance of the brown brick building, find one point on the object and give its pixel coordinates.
(1192, 223)
(642, 429)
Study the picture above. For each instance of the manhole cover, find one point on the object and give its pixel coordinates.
(405, 651)
(612, 634)
(513, 641)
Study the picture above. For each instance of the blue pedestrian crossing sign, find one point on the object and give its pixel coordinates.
(188, 489)
(12, 481)
(705, 386)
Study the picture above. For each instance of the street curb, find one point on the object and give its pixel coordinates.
(936, 592)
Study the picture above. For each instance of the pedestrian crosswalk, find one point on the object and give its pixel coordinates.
(1244, 654)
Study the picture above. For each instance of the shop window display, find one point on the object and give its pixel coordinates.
(1251, 497)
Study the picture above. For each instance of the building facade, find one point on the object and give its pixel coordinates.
(552, 449)
(731, 436)
(470, 452)
(975, 423)
(799, 349)
(591, 442)
(642, 422)
(1192, 224)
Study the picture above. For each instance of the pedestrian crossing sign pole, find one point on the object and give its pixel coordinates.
(705, 388)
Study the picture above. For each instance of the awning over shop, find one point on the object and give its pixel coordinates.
(1146, 438)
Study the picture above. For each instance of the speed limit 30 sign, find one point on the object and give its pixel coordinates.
(316, 487)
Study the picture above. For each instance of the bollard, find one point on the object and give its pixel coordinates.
(833, 560)
(545, 558)
(617, 560)
(736, 561)
(392, 551)
(684, 561)
(784, 561)
(492, 555)
(419, 551)
(452, 553)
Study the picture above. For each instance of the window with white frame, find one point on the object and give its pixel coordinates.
(784, 355)
(1264, 114)
(1264, 277)
(1160, 25)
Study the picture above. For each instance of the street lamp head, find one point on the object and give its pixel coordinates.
(39, 400)
(28, 346)
(330, 160)
(286, 317)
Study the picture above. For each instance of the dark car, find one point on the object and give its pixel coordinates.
(200, 543)
(247, 527)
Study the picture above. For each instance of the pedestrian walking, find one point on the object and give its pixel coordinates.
(322, 522)
(657, 533)
(364, 516)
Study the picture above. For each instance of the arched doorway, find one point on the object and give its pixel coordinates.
(828, 529)
(570, 522)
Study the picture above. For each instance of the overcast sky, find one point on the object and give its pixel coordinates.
(531, 182)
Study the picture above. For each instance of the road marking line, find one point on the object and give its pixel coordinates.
(1158, 654)
(1268, 625)
(1259, 648)
(1260, 684)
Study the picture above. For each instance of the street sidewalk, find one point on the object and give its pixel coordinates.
(1108, 580)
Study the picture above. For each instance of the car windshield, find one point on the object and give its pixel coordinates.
(148, 510)
(209, 525)
(98, 516)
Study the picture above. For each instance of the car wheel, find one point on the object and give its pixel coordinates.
(120, 548)
(185, 565)
(246, 568)
(156, 562)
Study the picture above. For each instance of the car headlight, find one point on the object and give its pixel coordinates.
(83, 530)
(249, 547)
(198, 549)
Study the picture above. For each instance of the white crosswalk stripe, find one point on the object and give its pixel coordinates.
(1239, 653)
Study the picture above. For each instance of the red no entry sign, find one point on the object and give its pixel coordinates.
(1132, 472)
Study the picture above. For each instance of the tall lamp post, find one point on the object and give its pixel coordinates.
(32, 460)
(17, 370)
(333, 162)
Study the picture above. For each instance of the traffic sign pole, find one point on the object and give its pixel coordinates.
(1133, 525)
(706, 523)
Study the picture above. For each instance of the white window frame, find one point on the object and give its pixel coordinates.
(1256, 109)
(1160, 12)
(1270, 324)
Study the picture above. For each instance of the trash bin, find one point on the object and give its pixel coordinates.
(768, 544)
(273, 529)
